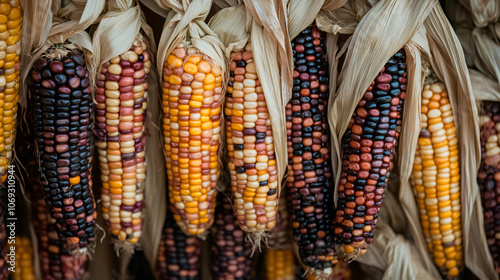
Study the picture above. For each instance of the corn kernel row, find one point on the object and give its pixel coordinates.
(24, 269)
(249, 136)
(436, 181)
(10, 49)
(121, 101)
(280, 264)
(192, 96)
(488, 176)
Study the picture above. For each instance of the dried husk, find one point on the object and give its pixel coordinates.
(262, 24)
(483, 12)
(421, 28)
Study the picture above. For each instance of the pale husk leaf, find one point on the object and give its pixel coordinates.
(483, 12)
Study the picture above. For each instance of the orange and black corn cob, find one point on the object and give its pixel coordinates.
(62, 123)
(368, 147)
(489, 176)
(231, 253)
(178, 254)
(310, 173)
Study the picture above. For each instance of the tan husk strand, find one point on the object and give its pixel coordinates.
(436, 181)
(121, 101)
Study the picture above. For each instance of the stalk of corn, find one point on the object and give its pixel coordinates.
(309, 166)
(249, 136)
(121, 98)
(436, 181)
(10, 49)
(283, 264)
(488, 176)
(24, 260)
(178, 253)
(55, 261)
(231, 253)
(368, 147)
(192, 95)
(62, 121)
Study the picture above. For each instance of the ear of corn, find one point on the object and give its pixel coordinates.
(55, 261)
(309, 166)
(62, 122)
(436, 181)
(280, 264)
(10, 37)
(121, 98)
(340, 272)
(192, 94)
(24, 260)
(231, 253)
(368, 147)
(178, 253)
(489, 177)
(249, 136)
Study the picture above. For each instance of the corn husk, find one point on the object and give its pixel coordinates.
(262, 23)
(421, 28)
(483, 12)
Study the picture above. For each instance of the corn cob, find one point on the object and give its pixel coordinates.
(192, 95)
(309, 166)
(436, 180)
(252, 162)
(121, 98)
(283, 264)
(280, 234)
(178, 254)
(231, 253)
(368, 147)
(62, 121)
(10, 37)
(55, 261)
(340, 272)
(489, 176)
(24, 260)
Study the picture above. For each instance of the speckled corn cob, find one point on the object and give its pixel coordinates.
(10, 49)
(309, 167)
(231, 253)
(249, 136)
(24, 260)
(368, 147)
(488, 177)
(192, 95)
(56, 262)
(121, 98)
(436, 181)
(62, 122)
(178, 253)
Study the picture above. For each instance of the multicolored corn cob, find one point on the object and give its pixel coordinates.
(249, 136)
(10, 50)
(121, 98)
(309, 168)
(192, 99)
(55, 261)
(436, 181)
(231, 253)
(488, 177)
(24, 269)
(62, 122)
(178, 253)
(368, 147)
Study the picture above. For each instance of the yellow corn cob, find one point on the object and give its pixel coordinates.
(24, 260)
(283, 267)
(10, 36)
(192, 92)
(252, 162)
(436, 181)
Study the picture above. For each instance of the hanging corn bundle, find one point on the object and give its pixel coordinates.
(10, 50)
(193, 67)
(61, 107)
(121, 102)
(489, 175)
(178, 253)
(231, 252)
(254, 128)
